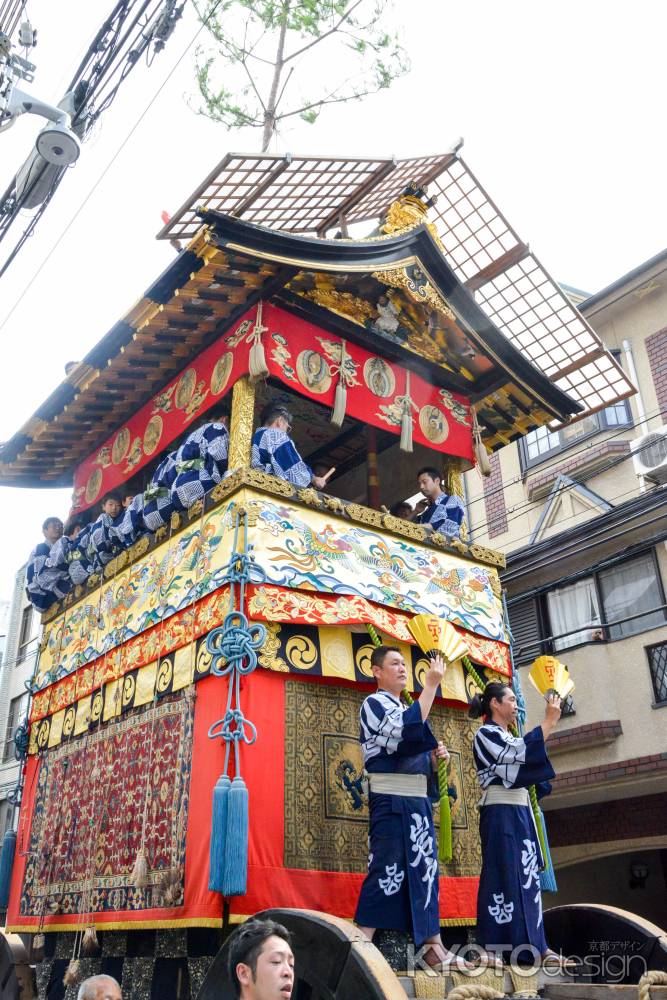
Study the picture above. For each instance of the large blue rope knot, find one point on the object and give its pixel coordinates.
(242, 568)
(233, 645)
(223, 730)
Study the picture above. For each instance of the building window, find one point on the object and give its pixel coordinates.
(657, 661)
(17, 710)
(540, 444)
(25, 634)
(574, 613)
(629, 589)
(609, 604)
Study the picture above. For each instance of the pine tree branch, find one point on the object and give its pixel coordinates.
(320, 38)
(328, 100)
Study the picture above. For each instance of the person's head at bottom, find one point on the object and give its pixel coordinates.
(99, 988)
(261, 962)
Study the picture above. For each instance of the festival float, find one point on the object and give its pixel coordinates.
(192, 752)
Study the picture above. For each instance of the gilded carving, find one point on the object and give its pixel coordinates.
(413, 280)
(309, 496)
(490, 556)
(139, 548)
(109, 570)
(243, 416)
(344, 303)
(334, 503)
(403, 214)
(175, 521)
(280, 487)
(364, 514)
(196, 510)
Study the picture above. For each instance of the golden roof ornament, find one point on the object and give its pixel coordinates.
(409, 210)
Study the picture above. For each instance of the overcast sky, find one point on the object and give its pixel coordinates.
(561, 106)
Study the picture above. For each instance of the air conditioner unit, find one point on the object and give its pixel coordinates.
(649, 454)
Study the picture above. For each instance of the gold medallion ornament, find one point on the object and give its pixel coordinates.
(433, 423)
(185, 388)
(94, 485)
(313, 371)
(221, 373)
(120, 446)
(152, 434)
(379, 377)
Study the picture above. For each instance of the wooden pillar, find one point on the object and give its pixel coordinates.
(243, 416)
(453, 485)
(373, 478)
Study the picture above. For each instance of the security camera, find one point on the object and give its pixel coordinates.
(58, 145)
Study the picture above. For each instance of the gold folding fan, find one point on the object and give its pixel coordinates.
(433, 635)
(549, 674)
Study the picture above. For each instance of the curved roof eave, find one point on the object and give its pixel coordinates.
(384, 253)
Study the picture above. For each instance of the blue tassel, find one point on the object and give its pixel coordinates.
(6, 865)
(235, 877)
(218, 833)
(548, 876)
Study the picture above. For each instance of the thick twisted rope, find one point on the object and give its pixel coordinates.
(653, 978)
(476, 991)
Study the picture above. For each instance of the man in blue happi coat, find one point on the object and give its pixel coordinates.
(99, 540)
(509, 901)
(400, 891)
(157, 505)
(273, 450)
(41, 584)
(201, 462)
(443, 512)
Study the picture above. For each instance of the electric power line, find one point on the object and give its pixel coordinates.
(108, 167)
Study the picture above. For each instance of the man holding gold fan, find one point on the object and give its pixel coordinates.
(400, 752)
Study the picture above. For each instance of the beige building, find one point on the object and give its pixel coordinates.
(582, 515)
(17, 667)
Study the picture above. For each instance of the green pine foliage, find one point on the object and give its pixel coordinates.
(272, 60)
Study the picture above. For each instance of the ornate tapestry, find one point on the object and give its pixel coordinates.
(306, 549)
(279, 604)
(346, 655)
(299, 354)
(169, 579)
(339, 653)
(93, 797)
(326, 813)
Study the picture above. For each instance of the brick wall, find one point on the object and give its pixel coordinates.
(494, 500)
(656, 348)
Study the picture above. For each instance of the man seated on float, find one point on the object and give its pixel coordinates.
(157, 505)
(201, 461)
(130, 525)
(101, 542)
(38, 585)
(273, 450)
(57, 566)
(444, 513)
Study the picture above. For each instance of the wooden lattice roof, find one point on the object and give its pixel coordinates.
(529, 357)
(312, 195)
